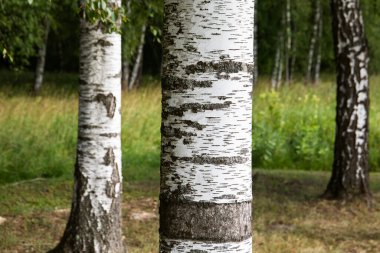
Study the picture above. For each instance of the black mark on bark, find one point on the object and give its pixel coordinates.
(176, 83)
(103, 43)
(109, 158)
(109, 102)
(213, 160)
(219, 67)
(194, 124)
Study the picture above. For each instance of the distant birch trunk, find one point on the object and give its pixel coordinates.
(125, 69)
(95, 220)
(350, 175)
(40, 67)
(137, 67)
(278, 65)
(317, 70)
(125, 74)
(288, 48)
(312, 56)
(206, 181)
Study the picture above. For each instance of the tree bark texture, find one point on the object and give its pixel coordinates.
(206, 182)
(40, 67)
(350, 169)
(94, 224)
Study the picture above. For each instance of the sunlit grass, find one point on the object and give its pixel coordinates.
(293, 128)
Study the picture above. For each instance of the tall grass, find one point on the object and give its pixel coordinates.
(293, 128)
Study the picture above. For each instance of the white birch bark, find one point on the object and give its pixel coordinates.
(206, 187)
(95, 220)
(40, 68)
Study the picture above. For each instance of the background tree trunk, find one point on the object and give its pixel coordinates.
(288, 48)
(317, 70)
(314, 51)
(206, 181)
(137, 67)
(95, 219)
(40, 67)
(350, 169)
(276, 66)
(125, 75)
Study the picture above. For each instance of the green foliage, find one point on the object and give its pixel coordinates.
(20, 29)
(141, 13)
(108, 14)
(294, 128)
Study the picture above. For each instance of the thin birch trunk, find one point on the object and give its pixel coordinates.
(276, 67)
(317, 70)
(206, 179)
(125, 76)
(95, 220)
(288, 47)
(281, 66)
(350, 175)
(138, 62)
(313, 42)
(40, 68)
(293, 57)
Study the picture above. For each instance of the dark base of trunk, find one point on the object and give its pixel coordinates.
(338, 192)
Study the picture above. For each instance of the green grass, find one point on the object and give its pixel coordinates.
(288, 215)
(293, 128)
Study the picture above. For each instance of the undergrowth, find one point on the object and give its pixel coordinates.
(293, 128)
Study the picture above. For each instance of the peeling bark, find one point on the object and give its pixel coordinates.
(94, 224)
(207, 80)
(350, 175)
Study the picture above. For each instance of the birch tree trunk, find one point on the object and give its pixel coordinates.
(288, 48)
(206, 181)
(317, 70)
(350, 169)
(125, 74)
(40, 68)
(94, 224)
(312, 56)
(276, 67)
(137, 67)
